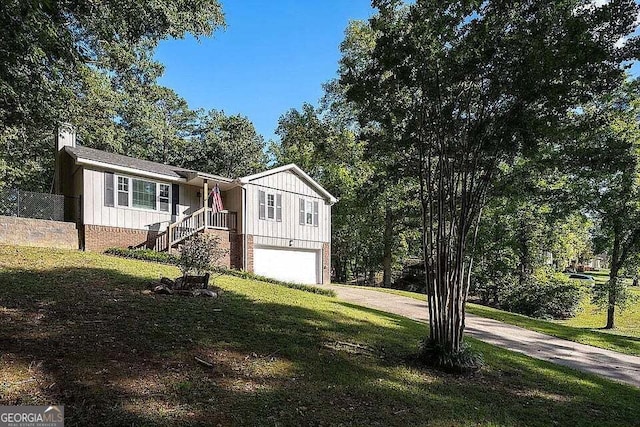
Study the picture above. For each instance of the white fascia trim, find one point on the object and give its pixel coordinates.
(299, 172)
(108, 166)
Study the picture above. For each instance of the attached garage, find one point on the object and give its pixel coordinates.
(290, 265)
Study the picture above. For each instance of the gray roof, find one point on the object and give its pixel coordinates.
(129, 162)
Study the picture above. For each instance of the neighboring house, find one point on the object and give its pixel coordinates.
(276, 223)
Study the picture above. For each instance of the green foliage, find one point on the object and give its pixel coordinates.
(225, 145)
(74, 61)
(144, 255)
(617, 286)
(465, 87)
(199, 253)
(546, 294)
(251, 276)
(613, 184)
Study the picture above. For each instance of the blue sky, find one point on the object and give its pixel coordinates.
(273, 56)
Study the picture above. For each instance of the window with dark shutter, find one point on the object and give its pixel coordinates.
(108, 188)
(279, 207)
(261, 205)
(315, 213)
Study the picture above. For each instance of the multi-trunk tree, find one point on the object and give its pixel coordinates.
(464, 87)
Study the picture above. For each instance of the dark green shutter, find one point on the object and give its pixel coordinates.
(175, 198)
(279, 207)
(261, 205)
(315, 213)
(108, 188)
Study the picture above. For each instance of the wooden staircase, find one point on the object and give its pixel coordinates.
(186, 227)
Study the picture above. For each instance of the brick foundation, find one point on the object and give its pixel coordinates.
(101, 237)
(249, 253)
(229, 243)
(326, 263)
(38, 232)
(236, 250)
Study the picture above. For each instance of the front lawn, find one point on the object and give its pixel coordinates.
(585, 328)
(79, 330)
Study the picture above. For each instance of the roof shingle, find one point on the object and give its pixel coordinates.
(129, 162)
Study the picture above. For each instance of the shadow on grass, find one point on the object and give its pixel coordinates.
(91, 340)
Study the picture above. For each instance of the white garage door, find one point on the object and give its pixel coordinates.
(285, 264)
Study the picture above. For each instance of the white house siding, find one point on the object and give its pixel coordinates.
(189, 201)
(279, 233)
(232, 200)
(96, 213)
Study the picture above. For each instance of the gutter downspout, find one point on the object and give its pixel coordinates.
(244, 228)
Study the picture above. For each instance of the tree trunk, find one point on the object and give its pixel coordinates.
(388, 244)
(613, 278)
(524, 252)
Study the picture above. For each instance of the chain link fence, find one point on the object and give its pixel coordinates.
(28, 204)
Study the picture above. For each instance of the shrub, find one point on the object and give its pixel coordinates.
(547, 294)
(199, 253)
(144, 255)
(464, 361)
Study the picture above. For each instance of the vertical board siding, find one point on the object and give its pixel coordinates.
(274, 233)
(232, 201)
(95, 213)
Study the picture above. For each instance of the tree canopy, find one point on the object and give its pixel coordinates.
(465, 87)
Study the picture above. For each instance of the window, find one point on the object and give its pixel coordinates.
(269, 206)
(140, 194)
(123, 191)
(144, 194)
(164, 197)
(309, 211)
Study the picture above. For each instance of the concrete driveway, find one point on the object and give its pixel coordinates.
(606, 363)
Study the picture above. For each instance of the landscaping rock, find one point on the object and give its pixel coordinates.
(162, 289)
(204, 293)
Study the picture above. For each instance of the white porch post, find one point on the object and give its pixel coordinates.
(205, 202)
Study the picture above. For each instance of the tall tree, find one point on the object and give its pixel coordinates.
(611, 176)
(58, 58)
(225, 145)
(465, 86)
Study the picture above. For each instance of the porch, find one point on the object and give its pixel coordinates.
(202, 219)
(201, 213)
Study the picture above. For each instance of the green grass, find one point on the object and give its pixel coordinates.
(627, 321)
(79, 329)
(583, 328)
(165, 258)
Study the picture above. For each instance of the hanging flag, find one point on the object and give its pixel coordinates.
(216, 199)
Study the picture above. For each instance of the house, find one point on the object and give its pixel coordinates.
(276, 223)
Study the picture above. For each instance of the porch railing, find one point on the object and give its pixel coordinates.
(222, 220)
(197, 221)
(186, 227)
